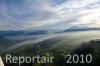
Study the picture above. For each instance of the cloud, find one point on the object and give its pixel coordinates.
(57, 14)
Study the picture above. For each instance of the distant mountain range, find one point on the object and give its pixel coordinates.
(37, 32)
(11, 33)
(80, 29)
(22, 32)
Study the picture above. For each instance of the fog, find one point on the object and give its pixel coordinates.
(70, 37)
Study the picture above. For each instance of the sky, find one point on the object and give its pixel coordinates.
(49, 14)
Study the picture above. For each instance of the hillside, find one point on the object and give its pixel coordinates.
(53, 47)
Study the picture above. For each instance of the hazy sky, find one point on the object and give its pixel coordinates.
(49, 14)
